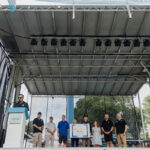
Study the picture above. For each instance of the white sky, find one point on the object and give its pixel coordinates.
(47, 2)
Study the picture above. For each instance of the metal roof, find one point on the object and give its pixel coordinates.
(78, 70)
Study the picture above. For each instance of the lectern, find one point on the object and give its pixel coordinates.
(16, 127)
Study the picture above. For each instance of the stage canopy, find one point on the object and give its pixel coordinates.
(79, 49)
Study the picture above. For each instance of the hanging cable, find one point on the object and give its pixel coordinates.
(20, 36)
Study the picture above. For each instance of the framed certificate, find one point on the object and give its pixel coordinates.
(79, 130)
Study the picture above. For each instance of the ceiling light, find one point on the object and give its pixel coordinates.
(72, 42)
(43, 42)
(126, 43)
(136, 43)
(63, 42)
(82, 42)
(108, 43)
(117, 42)
(146, 42)
(53, 42)
(98, 42)
(34, 42)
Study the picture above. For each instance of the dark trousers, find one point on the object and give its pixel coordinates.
(74, 142)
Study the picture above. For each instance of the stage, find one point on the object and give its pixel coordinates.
(81, 148)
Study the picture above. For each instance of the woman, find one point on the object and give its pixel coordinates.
(96, 132)
(75, 141)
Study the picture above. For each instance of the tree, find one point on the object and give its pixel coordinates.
(97, 106)
(146, 109)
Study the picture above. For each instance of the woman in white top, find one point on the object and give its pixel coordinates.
(96, 132)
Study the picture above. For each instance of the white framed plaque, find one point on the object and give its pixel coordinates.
(79, 130)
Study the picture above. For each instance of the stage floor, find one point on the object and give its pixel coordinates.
(81, 148)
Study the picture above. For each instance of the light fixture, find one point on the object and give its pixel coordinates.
(126, 43)
(63, 42)
(136, 43)
(53, 42)
(117, 42)
(108, 42)
(44, 42)
(34, 42)
(72, 42)
(82, 42)
(146, 42)
(98, 42)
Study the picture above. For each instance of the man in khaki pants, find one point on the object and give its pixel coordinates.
(38, 125)
(120, 131)
(50, 131)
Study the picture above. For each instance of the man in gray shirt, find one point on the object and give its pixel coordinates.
(50, 131)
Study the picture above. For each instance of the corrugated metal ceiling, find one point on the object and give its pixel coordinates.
(78, 70)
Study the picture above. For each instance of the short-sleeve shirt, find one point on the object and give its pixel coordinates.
(39, 123)
(107, 125)
(87, 122)
(120, 126)
(51, 126)
(63, 127)
(23, 104)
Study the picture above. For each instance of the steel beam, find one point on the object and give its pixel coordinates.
(81, 7)
(92, 81)
(76, 54)
(94, 36)
(88, 66)
(145, 67)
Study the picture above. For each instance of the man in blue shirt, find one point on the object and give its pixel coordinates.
(62, 131)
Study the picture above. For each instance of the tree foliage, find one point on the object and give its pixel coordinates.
(146, 109)
(97, 106)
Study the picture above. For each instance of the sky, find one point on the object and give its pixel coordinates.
(54, 2)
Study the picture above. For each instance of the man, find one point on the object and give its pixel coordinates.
(107, 128)
(50, 131)
(120, 130)
(21, 103)
(75, 141)
(38, 125)
(86, 141)
(62, 131)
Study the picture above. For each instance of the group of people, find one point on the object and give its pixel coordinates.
(63, 130)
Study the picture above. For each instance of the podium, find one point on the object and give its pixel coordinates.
(16, 127)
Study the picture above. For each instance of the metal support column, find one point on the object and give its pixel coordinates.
(70, 108)
(142, 118)
(136, 124)
(18, 83)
